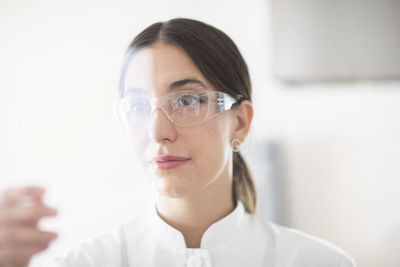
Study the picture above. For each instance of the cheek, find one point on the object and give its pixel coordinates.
(207, 144)
(211, 145)
(138, 142)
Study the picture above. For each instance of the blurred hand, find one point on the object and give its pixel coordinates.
(20, 238)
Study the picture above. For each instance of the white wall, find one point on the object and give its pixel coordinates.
(58, 76)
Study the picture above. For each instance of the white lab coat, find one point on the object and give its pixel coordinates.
(239, 239)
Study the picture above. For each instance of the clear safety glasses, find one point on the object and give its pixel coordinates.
(182, 108)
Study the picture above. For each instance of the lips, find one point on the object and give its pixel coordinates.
(169, 158)
(169, 161)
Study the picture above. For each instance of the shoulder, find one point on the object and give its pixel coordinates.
(104, 250)
(296, 248)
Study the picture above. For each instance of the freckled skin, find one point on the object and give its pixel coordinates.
(207, 144)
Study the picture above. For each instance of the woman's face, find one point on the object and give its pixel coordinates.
(206, 145)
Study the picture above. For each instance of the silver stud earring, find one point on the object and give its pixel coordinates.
(236, 147)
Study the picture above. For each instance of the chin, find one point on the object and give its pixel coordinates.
(171, 190)
(176, 183)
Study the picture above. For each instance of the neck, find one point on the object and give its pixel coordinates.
(193, 214)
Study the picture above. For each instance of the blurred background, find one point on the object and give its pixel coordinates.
(324, 146)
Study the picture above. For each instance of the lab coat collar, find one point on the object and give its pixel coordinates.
(215, 235)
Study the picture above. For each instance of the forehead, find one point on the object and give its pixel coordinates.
(156, 68)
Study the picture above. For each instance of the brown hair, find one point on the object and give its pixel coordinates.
(220, 61)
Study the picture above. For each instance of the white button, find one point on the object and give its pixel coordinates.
(194, 261)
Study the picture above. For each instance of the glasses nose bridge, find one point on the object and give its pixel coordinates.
(158, 104)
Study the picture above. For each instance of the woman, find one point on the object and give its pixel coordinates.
(185, 98)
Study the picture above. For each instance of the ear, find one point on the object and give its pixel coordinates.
(243, 116)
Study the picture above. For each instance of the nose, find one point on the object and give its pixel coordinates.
(160, 128)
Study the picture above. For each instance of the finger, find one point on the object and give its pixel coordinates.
(23, 201)
(19, 256)
(15, 215)
(14, 237)
(13, 195)
(25, 190)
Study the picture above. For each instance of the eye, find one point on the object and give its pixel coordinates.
(137, 106)
(189, 100)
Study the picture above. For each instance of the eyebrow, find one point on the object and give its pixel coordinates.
(135, 90)
(171, 87)
(183, 82)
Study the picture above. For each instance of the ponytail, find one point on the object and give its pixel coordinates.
(243, 185)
